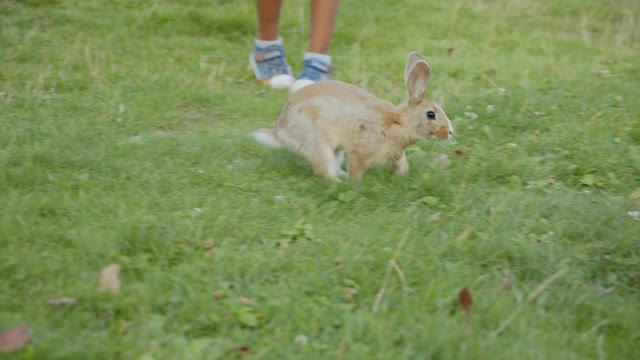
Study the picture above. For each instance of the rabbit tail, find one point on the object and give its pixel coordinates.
(267, 137)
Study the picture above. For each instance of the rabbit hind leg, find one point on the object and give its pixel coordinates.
(339, 162)
(324, 162)
(356, 166)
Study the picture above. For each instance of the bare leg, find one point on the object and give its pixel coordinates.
(268, 15)
(401, 165)
(323, 16)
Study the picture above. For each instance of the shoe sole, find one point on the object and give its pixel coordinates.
(283, 81)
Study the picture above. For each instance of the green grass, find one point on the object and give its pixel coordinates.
(124, 139)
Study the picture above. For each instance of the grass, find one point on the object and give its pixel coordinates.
(123, 139)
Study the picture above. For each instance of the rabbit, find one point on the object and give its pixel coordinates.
(328, 119)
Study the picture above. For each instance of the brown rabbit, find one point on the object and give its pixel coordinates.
(323, 120)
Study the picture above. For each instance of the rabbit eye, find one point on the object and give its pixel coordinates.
(431, 115)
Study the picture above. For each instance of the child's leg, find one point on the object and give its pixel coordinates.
(267, 59)
(268, 15)
(323, 17)
(317, 62)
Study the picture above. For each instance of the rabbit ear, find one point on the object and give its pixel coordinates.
(417, 79)
(414, 56)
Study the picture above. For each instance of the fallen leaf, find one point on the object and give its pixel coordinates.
(245, 301)
(14, 338)
(110, 279)
(465, 299)
(242, 349)
(218, 294)
(465, 233)
(61, 301)
(207, 245)
(443, 160)
(598, 289)
(506, 284)
(435, 217)
(350, 292)
(460, 153)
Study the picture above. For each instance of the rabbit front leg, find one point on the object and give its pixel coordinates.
(401, 164)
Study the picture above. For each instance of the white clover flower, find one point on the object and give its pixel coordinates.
(301, 340)
(471, 115)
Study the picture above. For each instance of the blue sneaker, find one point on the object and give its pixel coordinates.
(270, 66)
(313, 71)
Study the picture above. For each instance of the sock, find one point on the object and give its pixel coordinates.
(325, 58)
(264, 43)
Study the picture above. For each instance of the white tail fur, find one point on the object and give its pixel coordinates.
(266, 137)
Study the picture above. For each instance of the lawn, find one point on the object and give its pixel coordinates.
(124, 139)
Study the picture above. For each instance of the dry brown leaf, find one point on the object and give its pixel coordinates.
(207, 244)
(14, 338)
(350, 292)
(243, 349)
(61, 301)
(218, 294)
(506, 284)
(245, 301)
(110, 279)
(465, 233)
(465, 299)
(435, 217)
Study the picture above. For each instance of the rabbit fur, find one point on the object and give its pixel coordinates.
(326, 120)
